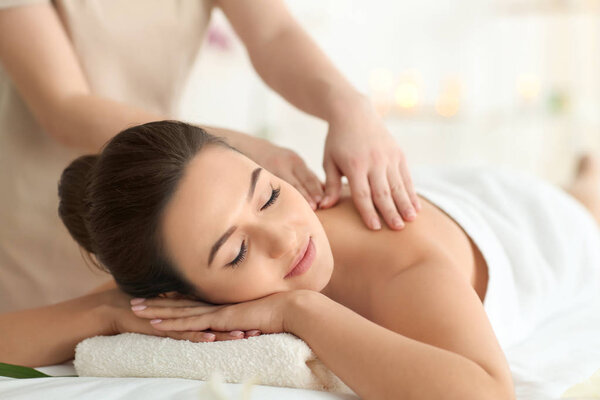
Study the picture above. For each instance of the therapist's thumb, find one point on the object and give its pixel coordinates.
(333, 184)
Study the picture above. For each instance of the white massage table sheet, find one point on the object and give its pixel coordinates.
(561, 353)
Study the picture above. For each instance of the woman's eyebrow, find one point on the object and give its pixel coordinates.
(253, 179)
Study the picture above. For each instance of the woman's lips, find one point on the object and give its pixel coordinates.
(306, 259)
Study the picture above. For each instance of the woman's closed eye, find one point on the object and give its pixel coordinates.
(272, 199)
(244, 249)
(240, 257)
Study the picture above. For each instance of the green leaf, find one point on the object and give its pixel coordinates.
(17, 371)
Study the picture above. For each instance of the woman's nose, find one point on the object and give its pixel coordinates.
(280, 240)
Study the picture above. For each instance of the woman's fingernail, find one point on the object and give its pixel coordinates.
(136, 301)
(156, 321)
(253, 332)
(325, 201)
(236, 333)
(397, 222)
(209, 336)
(139, 307)
(411, 214)
(318, 198)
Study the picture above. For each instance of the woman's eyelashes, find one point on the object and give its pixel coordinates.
(240, 257)
(244, 249)
(272, 199)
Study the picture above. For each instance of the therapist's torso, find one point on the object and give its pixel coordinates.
(138, 52)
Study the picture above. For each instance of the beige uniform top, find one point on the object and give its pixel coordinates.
(139, 52)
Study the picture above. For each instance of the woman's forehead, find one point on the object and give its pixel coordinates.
(209, 195)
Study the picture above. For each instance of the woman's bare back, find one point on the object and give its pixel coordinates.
(366, 260)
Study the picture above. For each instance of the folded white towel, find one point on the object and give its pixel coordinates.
(270, 359)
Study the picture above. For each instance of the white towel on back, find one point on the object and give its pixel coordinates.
(270, 359)
(541, 246)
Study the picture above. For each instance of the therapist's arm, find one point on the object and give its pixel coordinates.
(288, 60)
(48, 335)
(358, 144)
(38, 56)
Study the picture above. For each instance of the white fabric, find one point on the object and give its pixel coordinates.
(542, 247)
(276, 359)
(560, 353)
(149, 389)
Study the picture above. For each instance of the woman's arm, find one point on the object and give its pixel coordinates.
(426, 337)
(433, 340)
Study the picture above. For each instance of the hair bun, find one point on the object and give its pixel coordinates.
(74, 206)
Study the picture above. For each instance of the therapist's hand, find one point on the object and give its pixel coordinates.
(287, 165)
(360, 147)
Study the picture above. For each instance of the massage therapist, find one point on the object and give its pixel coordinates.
(74, 73)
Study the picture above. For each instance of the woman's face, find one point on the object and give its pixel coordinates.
(234, 230)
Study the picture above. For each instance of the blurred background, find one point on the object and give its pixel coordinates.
(461, 82)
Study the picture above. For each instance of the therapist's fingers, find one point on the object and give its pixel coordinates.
(333, 184)
(400, 195)
(310, 182)
(361, 195)
(408, 184)
(382, 198)
(300, 188)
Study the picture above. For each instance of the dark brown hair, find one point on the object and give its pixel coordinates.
(112, 203)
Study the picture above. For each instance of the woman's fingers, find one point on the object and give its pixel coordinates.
(150, 312)
(209, 336)
(382, 198)
(167, 302)
(194, 323)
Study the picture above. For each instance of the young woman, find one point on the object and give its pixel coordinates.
(168, 208)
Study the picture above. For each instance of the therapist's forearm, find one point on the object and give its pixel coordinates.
(86, 122)
(48, 335)
(294, 66)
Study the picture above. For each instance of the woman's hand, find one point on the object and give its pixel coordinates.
(119, 318)
(266, 314)
(360, 147)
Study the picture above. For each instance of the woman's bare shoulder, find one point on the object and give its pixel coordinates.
(433, 303)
